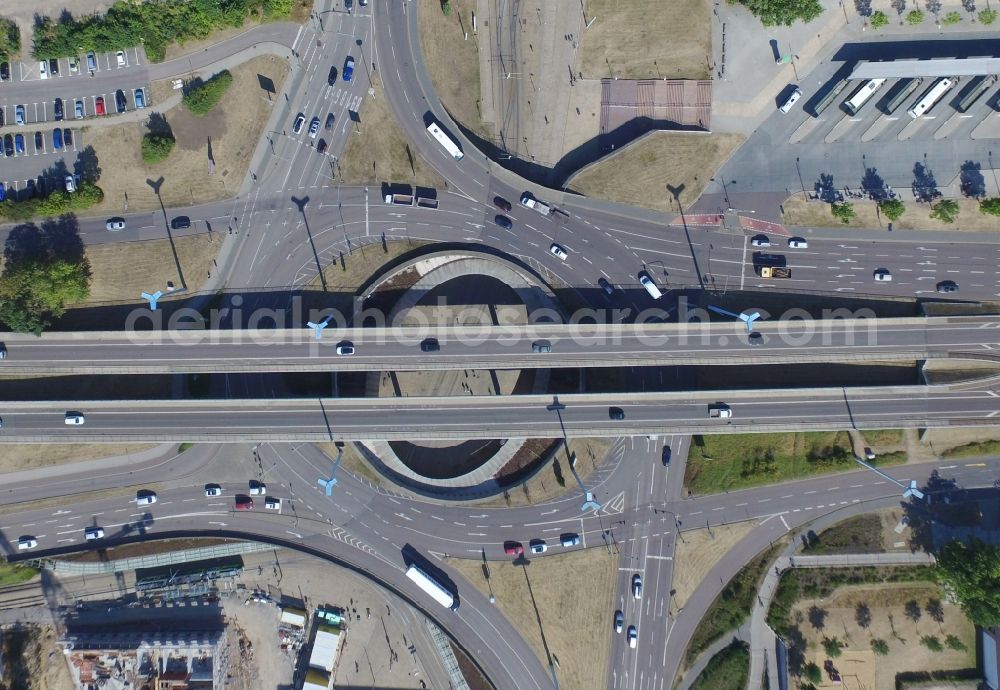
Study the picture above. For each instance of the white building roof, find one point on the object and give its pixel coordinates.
(958, 67)
(324, 649)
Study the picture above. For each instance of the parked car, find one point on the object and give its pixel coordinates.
(39, 141)
(314, 128)
(78, 109)
(329, 122)
(212, 490)
(3, 191)
(501, 203)
(321, 146)
(53, 66)
(57, 139)
(557, 250)
(637, 586)
(257, 488)
(91, 61)
(331, 78)
(67, 137)
(19, 143)
(19, 114)
(99, 105)
(8, 145)
(798, 243)
(791, 101)
(882, 275)
(348, 68)
(616, 413)
(92, 533)
(43, 70)
(74, 65)
(541, 346)
(512, 548)
(120, 57)
(869, 454)
(70, 183)
(120, 103)
(115, 224)
(140, 99)
(760, 241)
(538, 546)
(297, 125)
(430, 345)
(4, 71)
(57, 109)
(503, 222)
(345, 349)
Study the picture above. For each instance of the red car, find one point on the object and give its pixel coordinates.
(243, 503)
(99, 105)
(513, 548)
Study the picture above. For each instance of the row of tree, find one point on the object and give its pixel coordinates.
(154, 24)
(945, 210)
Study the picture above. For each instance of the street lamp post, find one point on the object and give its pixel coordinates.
(589, 503)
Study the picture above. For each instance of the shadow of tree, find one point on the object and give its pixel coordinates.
(925, 187)
(973, 184)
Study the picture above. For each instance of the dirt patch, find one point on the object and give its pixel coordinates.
(353, 462)
(646, 39)
(32, 660)
(381, 152)
(697, 552)
(548, 593)
(942, 440)
(122, 271)
(453, 62)
(916, 217)
(349, 272)
(232, 130)
(642, 172)
(24, 456)
(900, 614)
(144, 549)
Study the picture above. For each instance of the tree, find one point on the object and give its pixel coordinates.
(987, 17)
(972, 573)
(201, 96)
(953, 642)
(813, 673)
(951, 18)
(845, 211)
(863, 615)
(891, 208)
(35, 290)
(880, 647)
(932, 643)
(945, 210)
(156, 147)
(833, 647)
(990, 207)
(914, 17)
(782, 12)
(446, 7)
(879, 19)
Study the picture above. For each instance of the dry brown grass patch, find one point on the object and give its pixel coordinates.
(798, 211)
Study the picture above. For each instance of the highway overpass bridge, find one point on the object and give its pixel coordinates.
(501, 347)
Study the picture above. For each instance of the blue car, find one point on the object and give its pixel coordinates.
(19, 143)
(348, 72)
(57, 139)
(3, 192)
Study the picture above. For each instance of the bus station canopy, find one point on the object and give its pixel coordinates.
(897, 69)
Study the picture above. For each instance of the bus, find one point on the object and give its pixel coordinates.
(977, 89)
(832, 94)
(931, 96)
(432, 587)
(905, 90)
(445, 141)
(861, 96)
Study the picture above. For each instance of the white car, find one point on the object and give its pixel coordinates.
(144, 497)
(257, 488)
(760, 241)
(25, 543)
(538, 546)
(637, 586)
(120, 56)
(43, 70)
(882, 275)
(92, 533)
(212, 490)
(792, 100)
(557, 250)
(619, 621)
(74, 418)
(798, 243)
(345, 349)
(632, 635)
(272, 503)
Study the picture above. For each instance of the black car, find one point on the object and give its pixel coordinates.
(329, 122)
(4, 71)
(608, 288)
(430, 345)
(503, 222)
(57, 110)
(39, 141)
(616, 413)
(1, 117)
(321, 146)
(8, 145)
(666, 455)
(120, 101)
(541, 346)
(501, 203)
(332, 78)
(53, 66)
(947, 286)
(755, 339)
(67, 137)
(180, 223)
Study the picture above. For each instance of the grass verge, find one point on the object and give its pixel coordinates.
(974, 449)
(858, 534)
(201, 96)
(641, 39)
(728, 670)
(641, 171)
(15, 574)
(728, 462)
(733, 604)
(916, 217)
(546, 595)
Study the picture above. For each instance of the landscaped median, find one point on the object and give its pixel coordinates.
(58, 203)
(727, 462)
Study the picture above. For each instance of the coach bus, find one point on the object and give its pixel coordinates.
(445, 141)
(931, 96)
(434, 588)
(861, 96)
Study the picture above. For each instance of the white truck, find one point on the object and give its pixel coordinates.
(528, 201)
(399, 199)
(720, 410)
